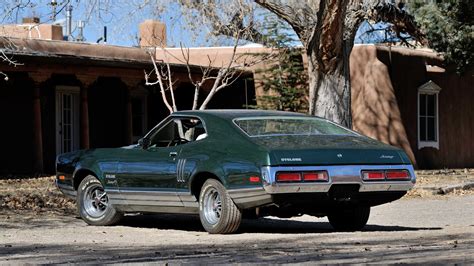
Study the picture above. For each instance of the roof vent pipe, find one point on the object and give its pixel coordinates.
(69, 22)
(105, 34)
(104, 37)
(80, 35)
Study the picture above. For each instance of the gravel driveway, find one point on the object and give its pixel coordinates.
(406, 231)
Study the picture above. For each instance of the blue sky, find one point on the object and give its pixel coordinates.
(122, 18)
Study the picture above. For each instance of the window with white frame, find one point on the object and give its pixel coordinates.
(428, 120)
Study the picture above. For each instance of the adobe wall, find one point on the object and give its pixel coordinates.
(375, 107)
(393, 76)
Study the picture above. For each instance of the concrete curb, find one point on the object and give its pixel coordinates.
(449, 189)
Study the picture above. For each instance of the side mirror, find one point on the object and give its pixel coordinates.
(144, 143)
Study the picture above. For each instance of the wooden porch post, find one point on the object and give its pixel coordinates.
(38, 79)
(84, 119)
(37, 131)
(86, 81)
(132, 84)
(129, 122)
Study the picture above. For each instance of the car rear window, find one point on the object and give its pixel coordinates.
(278, 126)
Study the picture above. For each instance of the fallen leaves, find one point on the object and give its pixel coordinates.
(34, 195)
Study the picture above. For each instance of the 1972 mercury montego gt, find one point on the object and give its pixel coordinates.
(226, 164)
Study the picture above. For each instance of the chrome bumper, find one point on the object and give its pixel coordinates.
(339, 174)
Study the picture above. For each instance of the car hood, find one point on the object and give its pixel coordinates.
(329, 150)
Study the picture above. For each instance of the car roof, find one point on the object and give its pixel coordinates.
(237, 113)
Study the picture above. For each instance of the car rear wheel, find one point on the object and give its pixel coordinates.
(349, 219)
(217, 211)
(93, 203)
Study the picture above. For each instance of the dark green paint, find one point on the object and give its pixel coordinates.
(227, 152)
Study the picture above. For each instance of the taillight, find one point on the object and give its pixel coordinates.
(288, 177)
(315, 176)
(373, 175)
(254, 179)
(397, 175)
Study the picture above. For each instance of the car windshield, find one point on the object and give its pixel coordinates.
(278, 126)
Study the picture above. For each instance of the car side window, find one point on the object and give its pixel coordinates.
(177, 132)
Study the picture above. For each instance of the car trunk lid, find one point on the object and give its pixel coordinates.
(328, 150)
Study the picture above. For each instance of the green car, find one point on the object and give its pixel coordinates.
(226, 165)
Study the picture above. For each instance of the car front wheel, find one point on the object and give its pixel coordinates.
(217, 211)
(349, 219)
(93, 203)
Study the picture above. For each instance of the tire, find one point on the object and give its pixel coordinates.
(93, 204)
(349, 219)
(217, 211)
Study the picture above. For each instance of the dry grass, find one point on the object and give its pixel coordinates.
(429, 182)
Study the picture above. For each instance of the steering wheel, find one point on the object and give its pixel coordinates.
(174, 142)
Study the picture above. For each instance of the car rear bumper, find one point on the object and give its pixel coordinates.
(339, 174)
(340, 179)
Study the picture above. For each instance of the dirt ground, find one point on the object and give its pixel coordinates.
(37, 225)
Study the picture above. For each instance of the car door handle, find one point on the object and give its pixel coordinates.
(173, 154)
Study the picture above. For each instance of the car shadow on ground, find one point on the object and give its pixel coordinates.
(261, 225)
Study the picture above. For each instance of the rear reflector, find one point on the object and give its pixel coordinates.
(288, 177)
(373, 175)
(397, 174)
(315, 176)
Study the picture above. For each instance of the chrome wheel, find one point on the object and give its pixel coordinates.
(95, 201)
(212, 206)
(217, 210)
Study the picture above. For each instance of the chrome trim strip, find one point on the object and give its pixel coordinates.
(180, 170)
(144, 198)
(250, 197)
(133, 202)
(188, 200)
(158, 209)
(338, 174)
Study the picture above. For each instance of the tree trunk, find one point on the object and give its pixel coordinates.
(327, 30)
(330, 95)
(328, 49)
(329, 91)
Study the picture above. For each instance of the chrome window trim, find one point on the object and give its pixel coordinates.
(170, 119)
(296, 117)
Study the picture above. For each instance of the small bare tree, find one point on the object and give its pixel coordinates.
(6, 57)
(220, 76)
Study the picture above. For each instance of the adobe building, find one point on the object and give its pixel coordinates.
(400, 96)
(71, 95)
(65, 96)
(410, 99)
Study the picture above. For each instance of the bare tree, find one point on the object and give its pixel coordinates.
(228, 22)
(219, 77)
(6, 57)
(327, 30)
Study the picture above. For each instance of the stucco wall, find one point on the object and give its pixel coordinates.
(375, 109)
(392, 77)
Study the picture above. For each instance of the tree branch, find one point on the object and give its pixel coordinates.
(300, 19)
(402, 22)
(159, 81)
